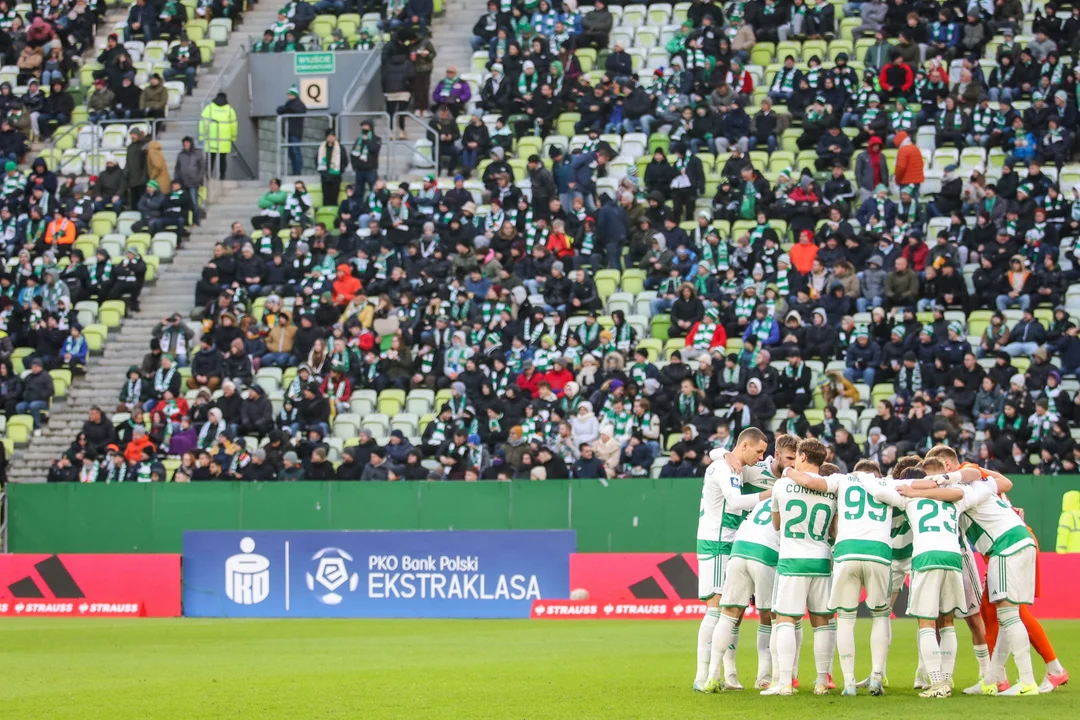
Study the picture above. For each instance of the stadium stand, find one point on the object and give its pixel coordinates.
(86, 229)
(659, 224)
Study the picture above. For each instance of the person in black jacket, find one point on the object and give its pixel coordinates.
(294, 128)
(349, 469)
(57, 109)
(688, 184)
(834, 147)
(364, 157)
(258, 470)
(495, 94)
(206, 366)
(475, 143)
(618, 65)
(659, 174)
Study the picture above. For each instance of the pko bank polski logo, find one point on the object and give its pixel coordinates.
(247, 575)
(331, 573)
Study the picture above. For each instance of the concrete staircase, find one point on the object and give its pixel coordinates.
(185, 120)
(174, 291)
(452, 34)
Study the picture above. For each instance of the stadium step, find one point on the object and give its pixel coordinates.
(172, 292)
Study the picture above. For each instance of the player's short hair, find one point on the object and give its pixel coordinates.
(829, 469)
(908, 461)
(813, 450)
(932, 465)
(786, 442)
(868, 466)
(944, 453)
(912, 473)
(751, 435)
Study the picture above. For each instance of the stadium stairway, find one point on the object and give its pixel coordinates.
(452, 35)
(185, 121)
(174, 291)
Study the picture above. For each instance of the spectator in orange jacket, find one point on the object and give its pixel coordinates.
(909, 163)
(139, 440)
(803, 253)
(60, 233)
(345, 286)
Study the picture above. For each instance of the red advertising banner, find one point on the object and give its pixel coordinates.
(645, 579)
(625, 610)
(90, 585)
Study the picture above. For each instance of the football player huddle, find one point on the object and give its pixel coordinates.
(793, 535)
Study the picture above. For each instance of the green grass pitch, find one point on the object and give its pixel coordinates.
(190, 669)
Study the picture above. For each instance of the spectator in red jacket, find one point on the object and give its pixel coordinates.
(916, 252)
(528, 381)
(559, 243)
(896, 78)
(558, 376)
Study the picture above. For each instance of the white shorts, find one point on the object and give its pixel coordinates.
(851, 576)
(1012, 577)
(973, 587)
(793, 595)
(899, 570)
(711, 573)
(935, 592)
(745, 579)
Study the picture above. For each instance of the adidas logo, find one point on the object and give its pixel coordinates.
(56, 577)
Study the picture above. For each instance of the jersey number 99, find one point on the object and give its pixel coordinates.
(858, 503)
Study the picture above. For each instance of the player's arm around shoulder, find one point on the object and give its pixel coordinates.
(807, 480)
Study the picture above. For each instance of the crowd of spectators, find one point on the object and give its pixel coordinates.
(847, 297)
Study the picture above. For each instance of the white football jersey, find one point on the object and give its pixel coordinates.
(863, 519)
(723, 505)
(935, 540)
(990, 525)
(805, 517)
(756, 538)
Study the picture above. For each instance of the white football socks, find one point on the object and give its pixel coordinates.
(721, 639)
(931, 654)
(947, 646)
(798, 646)
(1017, 642)
(764, 654)
(845, 644)
(879, 641)
(704, 644)
(824, 646)
(730, 667)
(784, 638)
(982, 656)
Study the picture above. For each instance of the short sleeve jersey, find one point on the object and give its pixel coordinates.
(805, 517)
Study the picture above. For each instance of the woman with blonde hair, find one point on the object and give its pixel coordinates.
(318, 357)
(607, 449)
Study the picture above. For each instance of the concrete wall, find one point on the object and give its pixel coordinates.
(368, 99)
(273, 73)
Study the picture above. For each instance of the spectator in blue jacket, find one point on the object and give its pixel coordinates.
(141, 20)
(1068, 349)
(863, 357)
(74, 351)
(582, 184)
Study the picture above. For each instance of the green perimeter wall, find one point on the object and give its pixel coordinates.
(632, 515)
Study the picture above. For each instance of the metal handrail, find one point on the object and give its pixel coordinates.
(344, 137)
(429, 134)
(283, 139)
(359, 83)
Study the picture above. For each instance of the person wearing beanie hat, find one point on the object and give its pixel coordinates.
(294, 109)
